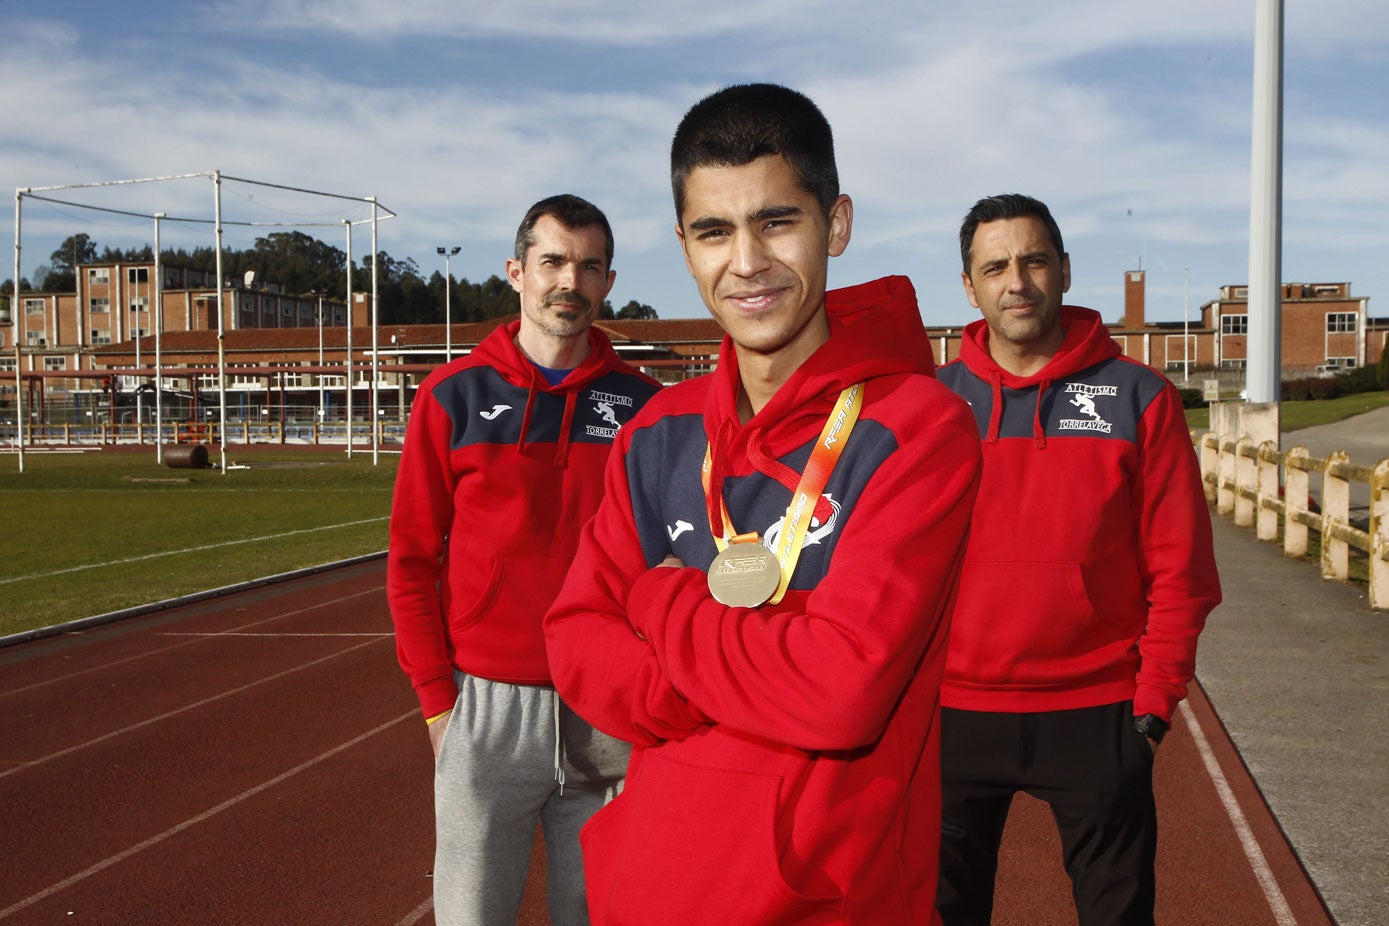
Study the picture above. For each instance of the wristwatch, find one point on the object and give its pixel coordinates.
(1151, 726)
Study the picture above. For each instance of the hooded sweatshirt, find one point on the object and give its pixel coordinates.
(1090, 569)
(785, 767)
(498, 473)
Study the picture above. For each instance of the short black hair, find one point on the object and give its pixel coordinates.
(1006, 206)
(739, 124)
(573, 212)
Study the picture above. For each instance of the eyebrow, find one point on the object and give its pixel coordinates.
(563, 257)
(760, 215)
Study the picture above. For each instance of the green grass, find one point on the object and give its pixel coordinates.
(1295, 415)
(95, 532)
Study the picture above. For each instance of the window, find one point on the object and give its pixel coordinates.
(1234, 324)
(1232, 364)
(1340, 321)
(140, 333)
(99, 276)
(286, 308)
(55, 363)
(101, 336)
(33, 338)
(33, 306)
(7, 364)
(99, 305)
(140, 305)
(137, 274)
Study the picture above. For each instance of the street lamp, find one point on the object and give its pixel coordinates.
(448, 301)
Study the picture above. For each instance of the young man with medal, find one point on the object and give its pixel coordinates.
(761, 604)
(502, 465)
(1089, 577)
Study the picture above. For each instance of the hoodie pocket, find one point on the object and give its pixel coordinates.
(515, 586)
(686, 844)
(1027, 625)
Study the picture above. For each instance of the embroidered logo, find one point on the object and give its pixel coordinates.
(604, 406)
(496, 410)
(1082, 397)
(678, 528)
(814, 535)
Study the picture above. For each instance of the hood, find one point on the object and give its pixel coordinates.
(875, 331)
(500, 351)
(1087, 342)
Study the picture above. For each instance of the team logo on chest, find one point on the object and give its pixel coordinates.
(813, 536)
(1082, 396)
(605, 407)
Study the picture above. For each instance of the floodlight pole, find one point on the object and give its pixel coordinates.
(221, 326)
(448, 301)
(14, 336)
(375, 356)
(348, 377)
(1265, 209)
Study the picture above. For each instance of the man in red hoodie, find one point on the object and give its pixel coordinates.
(1089, 575)
(761, 603)
(502, 465)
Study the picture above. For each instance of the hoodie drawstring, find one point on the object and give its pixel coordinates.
(559, 742)
(996, 411)
(562, 446)
(1039, 434)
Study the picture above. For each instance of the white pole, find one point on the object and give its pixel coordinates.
(348, 378)
(221, 327)
(1186, 332)
(320, 359)
(15, 309)
(158, 347)
(375, 274)
(1265, 206)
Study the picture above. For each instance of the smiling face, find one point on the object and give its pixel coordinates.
(563, 280)
(1016, 280)
(758, 247)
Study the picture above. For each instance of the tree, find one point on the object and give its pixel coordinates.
(636, 310)
(75, 250)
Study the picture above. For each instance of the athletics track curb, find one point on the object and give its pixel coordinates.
(111, 617)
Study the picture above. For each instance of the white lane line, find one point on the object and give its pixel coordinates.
(193, 821)
(197, 549)
(417, 914)
(21, 766)
(234, 634)
(164, 649)
(1276, 902)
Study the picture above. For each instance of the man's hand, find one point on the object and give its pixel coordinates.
(672, 561)
(436, 732)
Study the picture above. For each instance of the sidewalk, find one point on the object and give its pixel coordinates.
(1297, 667)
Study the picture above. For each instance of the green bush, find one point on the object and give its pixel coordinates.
(1192, 398)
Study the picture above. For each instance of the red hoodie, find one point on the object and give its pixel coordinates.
(1090, 568)
(499, 472)
(786, 760)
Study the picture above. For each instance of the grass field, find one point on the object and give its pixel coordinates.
(1295, 415)
(95, 532)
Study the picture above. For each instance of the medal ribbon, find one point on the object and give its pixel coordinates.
(823, 458)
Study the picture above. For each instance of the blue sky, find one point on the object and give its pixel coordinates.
(1132, 120)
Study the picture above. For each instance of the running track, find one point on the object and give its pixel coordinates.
(259, 759)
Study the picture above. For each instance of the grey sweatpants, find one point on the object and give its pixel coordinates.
(494, 778)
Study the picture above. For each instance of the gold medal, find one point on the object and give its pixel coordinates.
(744, 575)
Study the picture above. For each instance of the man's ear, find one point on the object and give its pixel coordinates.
(514, 270)
(841, 224)
(969, 289)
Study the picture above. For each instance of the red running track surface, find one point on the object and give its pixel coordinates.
(260, 759)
